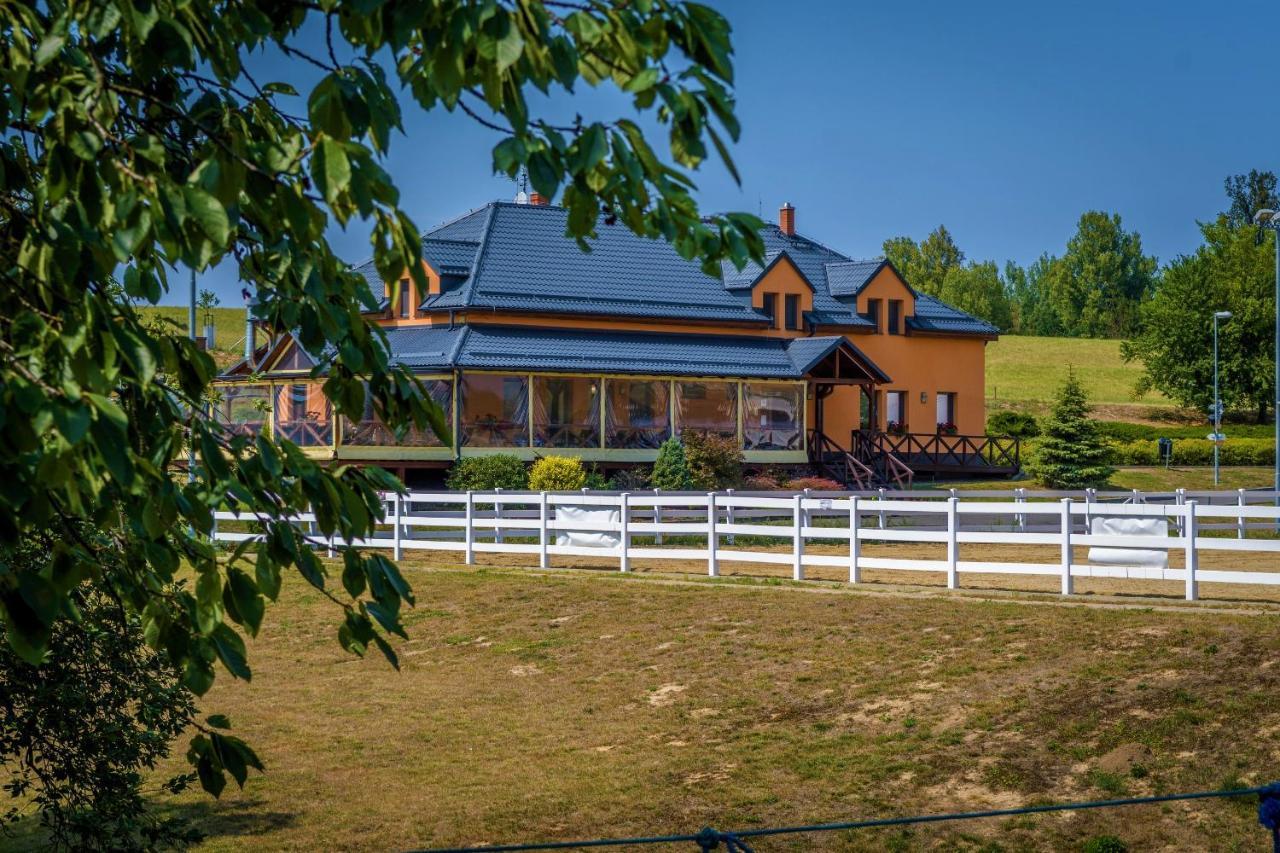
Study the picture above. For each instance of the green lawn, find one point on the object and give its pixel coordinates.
(1150, 479)
(228, 324)
(1026, 371)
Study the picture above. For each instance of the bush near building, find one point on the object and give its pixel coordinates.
(1016, 424)
(671, 470)
(557, 474)
(486, 473)
(715, 462)
(1072, 454)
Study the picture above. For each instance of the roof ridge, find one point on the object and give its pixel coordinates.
(473, 211)
(450, 240)
(474, 275)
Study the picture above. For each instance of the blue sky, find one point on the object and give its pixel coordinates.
(1004, 121)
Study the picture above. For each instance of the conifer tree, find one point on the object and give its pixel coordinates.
(671, 470)
(1072, 454)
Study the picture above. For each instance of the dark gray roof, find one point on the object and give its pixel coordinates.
(847, 278)
(934, 315)
(516, 257)
(570, 350)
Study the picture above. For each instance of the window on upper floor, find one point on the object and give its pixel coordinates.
(791, 311)
(405, 289)
(770, 306)
(895, 316)
(873, 312)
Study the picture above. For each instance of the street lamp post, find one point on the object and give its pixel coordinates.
(1267, 218)
(1217, 400)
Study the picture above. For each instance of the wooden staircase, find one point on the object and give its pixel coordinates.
(854, 473)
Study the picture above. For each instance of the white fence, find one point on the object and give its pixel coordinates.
(708, 527)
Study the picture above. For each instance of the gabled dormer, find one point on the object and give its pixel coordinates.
(876, 291)
(779, 291)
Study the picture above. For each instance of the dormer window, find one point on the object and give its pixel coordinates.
(791, 311)
(873, 313)
(770, 307)
(895, 316)
(404, 297)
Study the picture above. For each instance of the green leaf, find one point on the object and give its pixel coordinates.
(243, 600)
(331, 169)
(209, 213)
(231, 651)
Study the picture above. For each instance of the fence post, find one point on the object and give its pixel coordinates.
(657, 519)
(953, 543)
(1193, 557)
(1240, 502)
(728, 516)
(805, 510)
(544, 558)
(497, 516)
(797, 539)
(468, 529)
(396, 551)
(624, 532)
(1020, 496)
(1090, 495)
(1067, 583)
(855, 544)
(713, 538)
(881, 490)
(1180, 499)
(329, 552)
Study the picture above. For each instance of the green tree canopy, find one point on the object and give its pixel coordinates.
(925, 264)
(1098, 286)
(1248, 194)
(1232, 271)
(979, 290)
(937, 266)
(138, 144)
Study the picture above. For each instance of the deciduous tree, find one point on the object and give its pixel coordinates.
(137, 140)
(1098, 286)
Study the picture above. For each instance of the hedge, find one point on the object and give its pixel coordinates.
(1198, 451)
(1122, 431)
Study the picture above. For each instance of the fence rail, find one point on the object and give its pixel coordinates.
(710, 527)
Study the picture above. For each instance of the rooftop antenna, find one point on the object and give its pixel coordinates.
(522, 186)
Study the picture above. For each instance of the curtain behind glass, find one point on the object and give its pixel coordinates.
(369, 431)
(566, 412)
(243, 408)
(773, 416)
(710, 407)
(303, 415)
(637, 413)
(494, 410)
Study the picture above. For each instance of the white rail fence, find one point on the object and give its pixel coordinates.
(708, 527)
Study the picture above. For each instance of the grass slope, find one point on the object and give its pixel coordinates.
(228, 327)
(547, 706)
(1027, 371)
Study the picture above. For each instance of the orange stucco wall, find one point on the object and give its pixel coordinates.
(783, 280)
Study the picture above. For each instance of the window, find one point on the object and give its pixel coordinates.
(566, 412)
(404, 297)
(895, 316)
(637, 412)
(303, 415)
(895, 416)
(770, 306)
(369, 431)
(773, 416)
(494, 410)
(946, 410)
(707, 407)
(873, 312)
(243, 408)
(792, 310)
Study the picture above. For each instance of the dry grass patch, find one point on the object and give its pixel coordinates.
(559, 705)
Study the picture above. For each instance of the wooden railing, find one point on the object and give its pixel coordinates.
(839, 464)
(938, 452)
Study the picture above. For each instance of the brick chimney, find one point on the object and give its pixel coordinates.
(538, 199)
(787, 218)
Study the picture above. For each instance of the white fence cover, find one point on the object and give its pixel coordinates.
(568, 515)
(1106, 525)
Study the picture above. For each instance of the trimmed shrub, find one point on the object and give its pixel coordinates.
(761, 483)
(671, 471)
(486, 473)
(1122, 431)
(817, 484)
(1016, 424)
(715, 462)
(557, 474)
(1192, 452)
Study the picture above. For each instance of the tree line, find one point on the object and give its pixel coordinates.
(1104, 286)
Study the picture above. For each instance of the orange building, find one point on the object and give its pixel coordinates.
(534, 347)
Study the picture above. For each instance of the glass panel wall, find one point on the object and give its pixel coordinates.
(773, 416)
(371, 432)
(243, 408)
(637, 413)
(710, 407)
(494, 410)
(566, 411)
(303, 415)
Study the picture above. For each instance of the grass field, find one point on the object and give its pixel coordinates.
(1024, 372)
(1145, 478)
(553, 706)
(228, 328)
